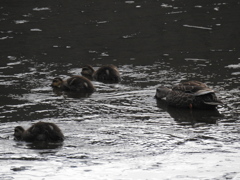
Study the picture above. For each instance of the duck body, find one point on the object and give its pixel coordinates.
(74, 84)
(41, 131)
(191, 94)
(106, 73)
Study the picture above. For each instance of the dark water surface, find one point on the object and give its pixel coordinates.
(120, 131)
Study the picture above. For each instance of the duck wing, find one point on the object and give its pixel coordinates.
(78, 83)
(194, 88)
(194, 83)
(107, 73)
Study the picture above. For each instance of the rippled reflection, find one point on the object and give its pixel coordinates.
(191, 116)
(39, 146)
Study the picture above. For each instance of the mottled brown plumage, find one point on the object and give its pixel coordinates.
(191, 94)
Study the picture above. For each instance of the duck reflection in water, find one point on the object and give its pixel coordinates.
(47, 147)
(75, 86)
(106, 73)
(190, 116)
(71, 94)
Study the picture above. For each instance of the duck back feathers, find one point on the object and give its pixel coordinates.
(195, 88)
(106, 73)
(41, 131)
(78, 84)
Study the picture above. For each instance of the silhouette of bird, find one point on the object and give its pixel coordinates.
(40, 131)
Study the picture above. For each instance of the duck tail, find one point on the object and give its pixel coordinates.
(203, 92)
(214, 103)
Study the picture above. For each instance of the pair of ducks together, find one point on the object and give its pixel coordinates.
(191, 94)
(83, 84)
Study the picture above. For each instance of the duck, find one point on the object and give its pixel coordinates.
(40, 131)
(106, 73)
(73, 84)
(190, 94)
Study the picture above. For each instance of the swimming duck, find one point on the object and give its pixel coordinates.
(106, 73)
(191, 94)
(40, 131)
(74, 83)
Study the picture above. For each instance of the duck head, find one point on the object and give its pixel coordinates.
(87, 70)
(57, 82)
(18, 132)
(162, 92)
